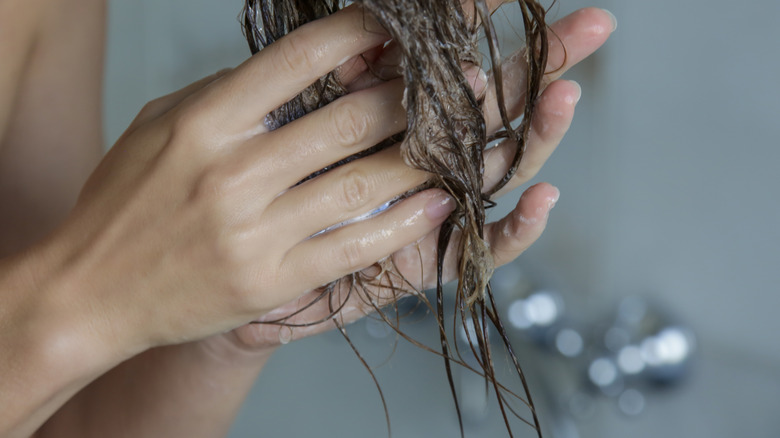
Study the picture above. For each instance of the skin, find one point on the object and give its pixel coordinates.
(136, 274)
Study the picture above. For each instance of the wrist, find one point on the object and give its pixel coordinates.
(48, 315)
(48, 351)
(70, 307)
(84, 284)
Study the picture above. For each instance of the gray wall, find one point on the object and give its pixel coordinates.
(669, 188)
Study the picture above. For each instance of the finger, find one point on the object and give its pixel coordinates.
(351, 191)
(283, 69)
(343, 128)
(506, 238)
(351, 248)
(386, 70)
(513, 234)
(551, 121)
(347, 72)
(387, 65)
(469, 8)
(308, 314)
(385, 61)
(161, 105)
(571, 39)
(312, 313)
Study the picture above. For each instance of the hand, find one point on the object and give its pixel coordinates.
(189, 226)
(581, 33)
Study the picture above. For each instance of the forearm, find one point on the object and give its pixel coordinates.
(48, 350)
(54, 353)
(53, 360)
(192, 390)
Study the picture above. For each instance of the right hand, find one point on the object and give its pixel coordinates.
(189, 226)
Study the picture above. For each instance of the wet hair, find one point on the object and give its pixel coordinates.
(446, 137)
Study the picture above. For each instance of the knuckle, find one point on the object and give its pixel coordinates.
(356, 190)
(350, 127)
(351, 257)
(184, 121)
(297, 53)
(149, 113)
(210, 186)
(188, 125)
(214, 187)
(151, 108)
(230, 254)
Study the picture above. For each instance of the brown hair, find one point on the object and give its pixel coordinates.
(445, 136)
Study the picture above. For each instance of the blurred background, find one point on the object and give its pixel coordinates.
(670, 204)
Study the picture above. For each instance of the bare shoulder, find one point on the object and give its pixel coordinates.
(40, 34)
(50, 110)
(18, 26)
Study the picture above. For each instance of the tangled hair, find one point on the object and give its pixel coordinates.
(445, 136)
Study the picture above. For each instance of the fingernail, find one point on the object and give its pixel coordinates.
(579, 91)
(477, 78)
(388, 72)
(439, 207)
(553, 200)
(613, 18)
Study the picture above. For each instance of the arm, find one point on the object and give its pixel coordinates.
(49, 142)
(196, 389)
(207, 380)
(152, 255)
(193, 390)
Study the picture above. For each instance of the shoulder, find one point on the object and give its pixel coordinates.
(51, 67)
(19, 23)
(49, 48)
